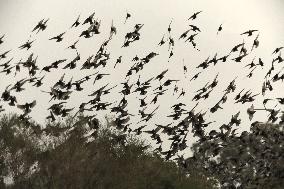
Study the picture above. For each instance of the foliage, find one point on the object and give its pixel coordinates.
(75, 154)
(253, 159)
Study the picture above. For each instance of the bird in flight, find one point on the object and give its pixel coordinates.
(4, 55)
(41, 25)
(58, 38)
(220, 28)
(277, 50)
(1, 39)
(76, 23)
(89, 19)
(194, 16)
(128, 15)
(27, 45)
(249, 32)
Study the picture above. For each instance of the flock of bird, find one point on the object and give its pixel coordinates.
(182, 118)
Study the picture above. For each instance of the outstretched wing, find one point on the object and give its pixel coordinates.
(33, 104)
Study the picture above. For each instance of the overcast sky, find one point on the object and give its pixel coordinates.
(18, 18)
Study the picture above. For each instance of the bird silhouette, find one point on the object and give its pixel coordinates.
(251, 112)
(249, 32)
(220, 28)
(195, 76)
(4, 55)
(278, 49)
(255, 43)
(27, 106)
(113, 30)
(41, 26)
(27, 45)
(194, 16)
(73, 46)
(1, 39)
(76, 23)
(58, 38)
(89, 19)
(128, 15)
(194, 28)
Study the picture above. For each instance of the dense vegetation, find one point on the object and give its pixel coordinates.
(81, 152)
(76, 154)
(252, 159)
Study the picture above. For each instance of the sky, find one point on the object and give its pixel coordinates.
(18, 18)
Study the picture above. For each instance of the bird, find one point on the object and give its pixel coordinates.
(87, 33)
(235, 120)
(162, 42)
(278, 49)
(265, 101)
(18, 86)
(195, 76)
(73, 46)
(279, 59)
(194, 28)
(27, 106)
(72, 64)
(181, 94)
(1, 108)
(89, 19)
(220, 28)
(249, 32)
(128, 15)
(7, 70)
(260, 62)
(214, 60)
(99, 76)
(41, 26)
(191, 38)
(4, 55)
(251, 112)
(58, 38)
(255, 43)
(184, 34)
(51, 116)
(113, 30)
(169, 27)
(118, 61)
(235, 48)
(27, 45)
(194, 16)
(76, 23)
(138, 130)
(53, 65)
(252, 64)
(239, 58)
(6, 64)
(38, 82)
(280, 100)
(1, 39)
(169, 81)
(184, 68)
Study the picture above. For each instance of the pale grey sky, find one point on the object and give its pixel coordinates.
(18, 17)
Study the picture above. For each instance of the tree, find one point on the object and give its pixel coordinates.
(253, 159)
(72, 154)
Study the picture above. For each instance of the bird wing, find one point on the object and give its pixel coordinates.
(33, 104)
(37, 26)
(22, 107)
